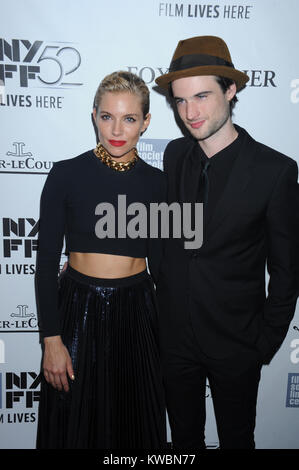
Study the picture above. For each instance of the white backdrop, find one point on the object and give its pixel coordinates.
(52, 58)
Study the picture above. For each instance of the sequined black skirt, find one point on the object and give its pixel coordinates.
(116, 400)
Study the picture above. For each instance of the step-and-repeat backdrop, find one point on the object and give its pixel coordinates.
(52, 58)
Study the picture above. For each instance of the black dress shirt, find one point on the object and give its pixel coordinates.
(218, 172)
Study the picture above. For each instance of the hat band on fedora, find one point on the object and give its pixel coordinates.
(197, 60)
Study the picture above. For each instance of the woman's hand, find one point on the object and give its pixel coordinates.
(57, 363)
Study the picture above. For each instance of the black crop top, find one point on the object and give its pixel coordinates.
(72, 191)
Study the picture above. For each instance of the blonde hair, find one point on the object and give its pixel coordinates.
(123, 81)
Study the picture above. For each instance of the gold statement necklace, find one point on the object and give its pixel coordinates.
(106, 158)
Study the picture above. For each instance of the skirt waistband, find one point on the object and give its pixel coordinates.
(106, 282)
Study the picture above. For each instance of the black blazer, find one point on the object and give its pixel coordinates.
(221, 286)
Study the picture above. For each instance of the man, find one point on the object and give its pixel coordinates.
(216, 320)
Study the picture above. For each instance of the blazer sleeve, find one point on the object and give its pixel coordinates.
(282, 227)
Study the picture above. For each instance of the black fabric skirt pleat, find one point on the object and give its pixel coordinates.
(116, 400)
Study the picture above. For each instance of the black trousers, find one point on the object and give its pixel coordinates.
(233, 384)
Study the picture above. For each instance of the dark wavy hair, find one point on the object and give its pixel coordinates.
(224, 84)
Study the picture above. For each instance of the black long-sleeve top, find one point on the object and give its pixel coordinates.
(72, 191)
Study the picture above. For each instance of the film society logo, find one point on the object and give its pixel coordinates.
(19, 160)
(19, 396)
(38, 64)
(292, 398)
(152, 151)
(196, 10)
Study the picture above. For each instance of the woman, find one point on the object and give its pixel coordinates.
(102, 385)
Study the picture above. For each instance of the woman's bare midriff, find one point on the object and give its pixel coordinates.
(106, 266)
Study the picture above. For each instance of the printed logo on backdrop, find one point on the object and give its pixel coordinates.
(22, 319)
(152, 151)
(292, 396)
(20, 159)
(19, 240)
(292, 400)
(37, 64)
(19, 397)
(257, 78)
(19, 246)
(198, 11)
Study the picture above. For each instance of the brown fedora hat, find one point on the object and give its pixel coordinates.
(202, 55)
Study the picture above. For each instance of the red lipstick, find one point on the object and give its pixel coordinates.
(117, 143)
